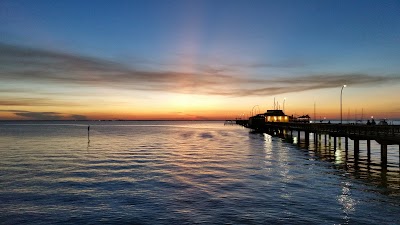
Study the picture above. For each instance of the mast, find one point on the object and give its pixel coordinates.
(315, 117)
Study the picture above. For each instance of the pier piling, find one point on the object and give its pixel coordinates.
(298, 137)
(307, 138)
(369, 150)
(356, 148)
(334, 143)
(384, 154)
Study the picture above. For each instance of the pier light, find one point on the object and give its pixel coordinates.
(341, 112)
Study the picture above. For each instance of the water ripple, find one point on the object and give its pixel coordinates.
(183, 173)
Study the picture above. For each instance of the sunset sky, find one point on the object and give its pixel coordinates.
(219, 59)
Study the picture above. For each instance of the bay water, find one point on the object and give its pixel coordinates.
(185, 172)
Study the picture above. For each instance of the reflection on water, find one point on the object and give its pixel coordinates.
(338, 157)
(183, 173)
(365, 166)
(346, 200)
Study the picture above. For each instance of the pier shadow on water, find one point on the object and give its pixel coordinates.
(361, 166)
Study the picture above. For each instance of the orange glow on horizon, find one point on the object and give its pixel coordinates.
(173, 106)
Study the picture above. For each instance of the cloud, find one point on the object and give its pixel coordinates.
(40, 115)
(13, 111)
(22, 101)
(288, 64)
(59, 69)
(45, 115)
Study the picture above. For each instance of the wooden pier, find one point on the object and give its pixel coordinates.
(383, 134)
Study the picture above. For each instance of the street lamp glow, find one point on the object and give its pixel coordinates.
(341, 113)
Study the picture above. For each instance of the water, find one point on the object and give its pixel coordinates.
(182, 173)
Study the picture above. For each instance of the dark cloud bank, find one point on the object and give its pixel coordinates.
(45, 115)
(58, 68)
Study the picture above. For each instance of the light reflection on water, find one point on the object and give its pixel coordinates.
(181, 172)
(348, 203)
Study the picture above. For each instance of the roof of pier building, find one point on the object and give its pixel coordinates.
(274, 112)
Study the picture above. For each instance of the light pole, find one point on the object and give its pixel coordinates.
(253, 109)
(284, 100)
(341, 114)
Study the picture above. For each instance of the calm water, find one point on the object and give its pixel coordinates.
(184, 173)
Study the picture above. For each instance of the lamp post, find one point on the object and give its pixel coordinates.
(341, 114)
(284, 100)
(253, 109)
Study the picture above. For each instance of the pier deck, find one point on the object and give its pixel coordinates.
(389, 134)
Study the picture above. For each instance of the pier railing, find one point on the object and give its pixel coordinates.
(390, 133)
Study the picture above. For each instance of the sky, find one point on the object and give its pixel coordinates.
(198, 59)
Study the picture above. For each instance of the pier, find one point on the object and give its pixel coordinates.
(383, 134)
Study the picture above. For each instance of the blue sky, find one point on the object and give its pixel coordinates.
(305, 32)
(255, 40)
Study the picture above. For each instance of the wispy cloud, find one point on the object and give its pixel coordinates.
(280, 64)
(40, 115)
(21, 64)
(23, 101)
(45, 115)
